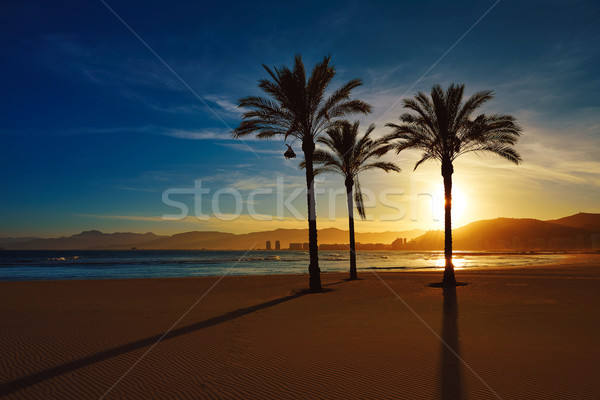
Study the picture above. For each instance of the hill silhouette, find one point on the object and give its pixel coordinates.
(580, 231)
(85, 240)
(195, 240)
(581, 220)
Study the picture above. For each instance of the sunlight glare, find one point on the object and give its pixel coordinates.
(458, 262)
(459, 204)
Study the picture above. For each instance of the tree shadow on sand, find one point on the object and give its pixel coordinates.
(21, 383)
(451, 384)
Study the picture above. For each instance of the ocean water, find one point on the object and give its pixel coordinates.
(50, 265)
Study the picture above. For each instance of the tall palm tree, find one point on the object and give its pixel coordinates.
(298, 107)
(443, 129)
(349, 154)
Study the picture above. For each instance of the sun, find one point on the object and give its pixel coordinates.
(459, 204)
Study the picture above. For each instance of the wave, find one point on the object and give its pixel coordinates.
(63, 258)
(266, 258)
(82, 262)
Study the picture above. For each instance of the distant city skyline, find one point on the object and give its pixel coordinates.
(95, 128)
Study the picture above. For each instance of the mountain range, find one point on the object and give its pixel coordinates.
(579, 231)
(209, 240)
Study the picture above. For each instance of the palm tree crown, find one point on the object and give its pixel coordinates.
(442, 127)
(348, 154)
(298, 107)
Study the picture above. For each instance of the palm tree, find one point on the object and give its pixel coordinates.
(443, 130)
(348, 154)
(298, 107)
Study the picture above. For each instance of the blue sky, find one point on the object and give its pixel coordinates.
(94, 127)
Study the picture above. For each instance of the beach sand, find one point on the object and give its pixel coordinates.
(528, 333)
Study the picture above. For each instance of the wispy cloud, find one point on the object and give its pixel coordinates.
(136, 189)
(244, 180)
(242, 223)
(72, 58)
(219, 134)
(149, 218)
(225, 104)
(206, 134)
(109, 64)
(242, 147)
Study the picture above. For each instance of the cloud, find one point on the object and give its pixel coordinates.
(136, 189)
(224, 103)
(215, 134)
(245, 223)
(205, 134)
(144, 79)
(72, 58)
(123, 217)
(245, 181)
(243, 147)
(220, 134)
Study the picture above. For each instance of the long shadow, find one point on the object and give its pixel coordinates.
(29, 380)
(451, 384)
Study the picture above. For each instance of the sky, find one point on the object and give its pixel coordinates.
(117, 116)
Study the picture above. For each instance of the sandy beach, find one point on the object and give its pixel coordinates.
(510, 334)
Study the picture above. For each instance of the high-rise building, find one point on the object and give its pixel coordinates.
(268, 245)
(277, 245)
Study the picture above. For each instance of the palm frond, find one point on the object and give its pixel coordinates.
(359, 200)
(505, 151)
(473, 103)
(441, 126)
(383, 165)
(424, 157)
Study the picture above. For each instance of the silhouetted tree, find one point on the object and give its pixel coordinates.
(298, 107)
(442, 128)
(349, 154)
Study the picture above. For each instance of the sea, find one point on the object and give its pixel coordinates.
(129, 264)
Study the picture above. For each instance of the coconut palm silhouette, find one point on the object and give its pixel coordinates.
(442, 128)
(298, 107)
(348, 154)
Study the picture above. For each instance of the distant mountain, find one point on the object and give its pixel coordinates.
(84, 240)
(582, 220)
(10, 240)
(190, 240)
(210, 240)
(579, 231)
(257, 240)
(574, 232)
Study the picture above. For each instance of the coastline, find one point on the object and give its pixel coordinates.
(528, 333)
(106, 265)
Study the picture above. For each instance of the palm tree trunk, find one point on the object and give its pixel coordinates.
(447, 171)
(313, 268)
(349, 185)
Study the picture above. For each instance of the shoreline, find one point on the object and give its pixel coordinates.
(75, 271)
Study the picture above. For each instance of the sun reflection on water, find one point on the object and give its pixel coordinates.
(459, 263)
